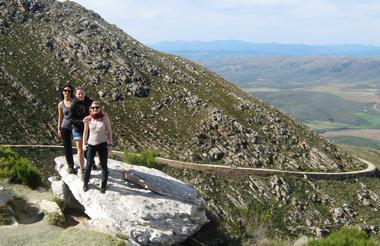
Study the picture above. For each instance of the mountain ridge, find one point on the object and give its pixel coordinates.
(220, 48)
(181, 110)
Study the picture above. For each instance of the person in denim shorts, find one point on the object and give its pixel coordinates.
(78, 111)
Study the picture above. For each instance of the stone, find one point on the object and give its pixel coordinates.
(155, 71)
(321, 232)
(166, 186)
(6, 195)
(144, 216)
(46, 206)
(139, 90)
(102, 93)
(168, 79)
(216, 154)
(57, 186)
(62, 192)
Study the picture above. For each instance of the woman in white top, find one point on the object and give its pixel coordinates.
(97, 138)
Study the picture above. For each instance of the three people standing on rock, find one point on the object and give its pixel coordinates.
(72, 119)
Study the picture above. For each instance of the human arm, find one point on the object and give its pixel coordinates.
(109, 133)
(85, 135)
(76, 116)
(60, 117)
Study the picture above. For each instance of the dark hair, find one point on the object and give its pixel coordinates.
(71, 88)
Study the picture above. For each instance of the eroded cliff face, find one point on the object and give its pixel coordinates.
(156, 101)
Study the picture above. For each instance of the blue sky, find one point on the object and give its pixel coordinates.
(261, 21)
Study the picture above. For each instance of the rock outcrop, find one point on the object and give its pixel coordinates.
(157, 210)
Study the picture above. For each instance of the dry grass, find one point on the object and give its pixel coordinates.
(373, 134)
(344, 91)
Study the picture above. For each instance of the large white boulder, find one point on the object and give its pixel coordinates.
(165, 217)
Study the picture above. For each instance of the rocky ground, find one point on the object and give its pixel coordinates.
(25, 220)
(251, 209)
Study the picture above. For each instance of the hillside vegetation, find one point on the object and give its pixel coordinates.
(181, 110)
(155, 101)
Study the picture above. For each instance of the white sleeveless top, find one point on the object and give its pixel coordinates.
(98, 131)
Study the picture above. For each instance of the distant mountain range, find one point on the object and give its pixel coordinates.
(283, 71)
(222, 48)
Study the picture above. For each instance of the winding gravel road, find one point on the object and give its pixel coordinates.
(240, 172)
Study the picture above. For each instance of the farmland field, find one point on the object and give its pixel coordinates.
(344, 113)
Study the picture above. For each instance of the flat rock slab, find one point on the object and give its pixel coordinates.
(164, 185)
(162, 217)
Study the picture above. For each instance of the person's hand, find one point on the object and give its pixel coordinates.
(87, 118)
(84, 147)
(59, 134)
(109, 148)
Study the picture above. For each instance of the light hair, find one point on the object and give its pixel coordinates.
(97, 103)
(79, 88)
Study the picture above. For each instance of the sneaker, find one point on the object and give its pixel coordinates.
(71, 170)
(85, 187)
(103, 190)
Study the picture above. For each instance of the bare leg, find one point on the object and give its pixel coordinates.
(80, 153)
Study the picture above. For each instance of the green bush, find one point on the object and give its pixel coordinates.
(145, 158)
(18, 170)
(345, 237)
(56, 219)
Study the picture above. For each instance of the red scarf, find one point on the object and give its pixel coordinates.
(97, 116)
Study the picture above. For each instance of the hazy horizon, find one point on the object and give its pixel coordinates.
(315, 22)
(253, 42)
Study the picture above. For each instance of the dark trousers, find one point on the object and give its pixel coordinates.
(103, 155)
(67, 144)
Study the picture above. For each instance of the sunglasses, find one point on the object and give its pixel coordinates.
(96, 107)
(66, 90)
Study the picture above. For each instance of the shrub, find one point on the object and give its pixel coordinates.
(146, 158)
(56, 219)
(5, 216)
(345, 237)
(18, 170)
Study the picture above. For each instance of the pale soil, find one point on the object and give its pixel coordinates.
(373, 134)
(42, 233)
(344, 91)
(341, 90)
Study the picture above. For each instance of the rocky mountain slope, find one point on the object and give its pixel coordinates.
(156, 101)
(181, 110)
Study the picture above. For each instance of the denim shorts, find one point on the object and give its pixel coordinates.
(76, 135)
